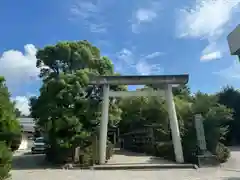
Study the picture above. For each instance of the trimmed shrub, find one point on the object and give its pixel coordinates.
(65, 154)
(222, 153)
(110, 150)
(59, 154)
(5, 161)
(165, 150)
(86, 157)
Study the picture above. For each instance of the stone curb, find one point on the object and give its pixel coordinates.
(143, 166)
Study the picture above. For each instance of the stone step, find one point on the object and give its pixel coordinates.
(128, 166)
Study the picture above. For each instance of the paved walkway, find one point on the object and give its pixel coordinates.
(29, 167)
(233, 164)
(125, 157)
(201, 174)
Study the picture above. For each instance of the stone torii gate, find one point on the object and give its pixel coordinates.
(165, 82)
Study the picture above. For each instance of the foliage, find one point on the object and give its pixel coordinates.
(13, 140)
(138, 112)
(87, 155)
(5, 161)
(183, 92)
(9, 126)
(67, 106)
(230, 97)
(165, 150)
(222, 153)
(8, 122)
(110, 150)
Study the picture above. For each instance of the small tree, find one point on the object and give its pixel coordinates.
(5, 161)
(215, 118)
(10, 129)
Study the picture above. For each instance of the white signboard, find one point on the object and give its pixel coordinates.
(200, 132)
(234, 41)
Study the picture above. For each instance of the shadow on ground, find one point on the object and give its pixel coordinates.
(29, 161)
(233, 178)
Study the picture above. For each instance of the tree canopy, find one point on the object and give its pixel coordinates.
(67, 105)
(8, 122)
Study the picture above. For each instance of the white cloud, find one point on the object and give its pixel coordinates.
(127, 62)
(19, 68)
(145, 68)
(153, 55)
(126, 55)
(231, 72)
(91, 14)
(22, 103)
(98, 28)
(207, 18)
(210, 20)
(211, 56)
(211, 47)
(215, 50)
(84, 9)
(144, 15)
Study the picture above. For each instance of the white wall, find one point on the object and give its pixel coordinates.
(28, 124)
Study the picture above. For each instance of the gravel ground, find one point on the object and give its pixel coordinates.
(31, 167)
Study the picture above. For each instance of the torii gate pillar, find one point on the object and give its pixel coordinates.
(136, 80)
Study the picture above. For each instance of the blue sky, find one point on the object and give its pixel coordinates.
(139, 36)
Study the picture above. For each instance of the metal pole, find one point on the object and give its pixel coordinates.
(174, 125)
(104, 125)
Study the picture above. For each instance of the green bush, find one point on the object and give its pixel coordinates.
(190, 151)
(110, 150)
(13, 140)
(64, 153)
(149, 149)
(5, 161)
(165, 150)
(222, 153)
(16, 141)
(86, 157)
(87, 154)
(189, 143)
(59, 154)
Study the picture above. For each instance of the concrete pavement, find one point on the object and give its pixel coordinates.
(31, 167)
(201, 174)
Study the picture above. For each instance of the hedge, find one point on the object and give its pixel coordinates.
(5, 161)
(64, 154)
(190, 152)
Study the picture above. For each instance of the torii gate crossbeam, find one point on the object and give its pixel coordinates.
(165, 82)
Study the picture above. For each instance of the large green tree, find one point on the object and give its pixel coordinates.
(67, 106)
(8, 121)
(230, 97)
(10, 130)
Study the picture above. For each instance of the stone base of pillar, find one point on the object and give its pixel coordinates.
(207, 160)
